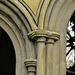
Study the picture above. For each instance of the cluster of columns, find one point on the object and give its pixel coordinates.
(45, 41)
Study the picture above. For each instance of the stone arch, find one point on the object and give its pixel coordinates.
(42, 13)
(16, 40)
(20, 12)
(54, 14)
(58, 19)
(53, 9)
(61, 23)
(17, 25)
(59, 16)
(14, 12)
(7, 54)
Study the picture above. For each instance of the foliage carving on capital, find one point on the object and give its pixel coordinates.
(43, 33)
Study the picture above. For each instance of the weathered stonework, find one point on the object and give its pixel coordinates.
(47, 26)
(31, 65)
(43, 33)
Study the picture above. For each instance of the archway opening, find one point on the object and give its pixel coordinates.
(70, 47)
(7, 54)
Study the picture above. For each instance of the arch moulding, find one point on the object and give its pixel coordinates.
(16, 22)
(61, 23)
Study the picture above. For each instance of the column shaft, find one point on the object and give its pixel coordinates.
(50, 57)
(41, 56)
(56, 62)
(31, 71)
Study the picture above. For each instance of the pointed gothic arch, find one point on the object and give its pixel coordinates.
(16, 44)
(61, 23)
(7, 55)
(17, 23)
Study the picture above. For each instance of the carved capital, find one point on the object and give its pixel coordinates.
(31, 64)
(43, 33)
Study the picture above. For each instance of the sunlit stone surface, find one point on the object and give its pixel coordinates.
(33, 4)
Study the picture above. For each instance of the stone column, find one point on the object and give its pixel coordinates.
(50, 53)
(40, 36)
(49, 63)
(31, 66)
(56, 59)
(41, 56)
